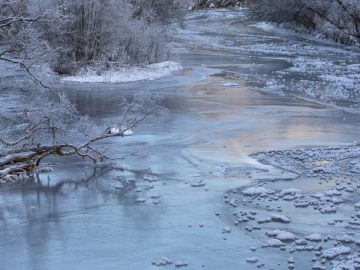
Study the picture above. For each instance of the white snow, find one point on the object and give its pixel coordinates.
(281, 235)
(122, 129)
(128, 74)
(258, 191)
(345, 239)
(315, 237)
(331, 253)
(279, 218)
(273, 243)
(179, 264)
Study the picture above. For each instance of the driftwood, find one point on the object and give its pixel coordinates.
(26, 160)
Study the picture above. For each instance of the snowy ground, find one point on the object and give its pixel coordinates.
(149, 72)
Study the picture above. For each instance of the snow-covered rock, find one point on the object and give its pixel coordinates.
(226, 230)
(163, 262)
(279, 218)
(273, 243)
(315, 237)
(347, 239)
(281, 235)
(334, 252)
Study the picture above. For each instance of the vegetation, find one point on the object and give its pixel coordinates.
(334, 19)
(66, 36)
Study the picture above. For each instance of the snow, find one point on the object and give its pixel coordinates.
(273, 243)
(122, 129)
(347, 239)
(128, 74)
(315, 237)
(281, 235)
(279, 218)
(257, 191)
(332, 253)
(163, 262)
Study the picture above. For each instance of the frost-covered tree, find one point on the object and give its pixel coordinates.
(45, 122)
(104, 33)
(336, 19)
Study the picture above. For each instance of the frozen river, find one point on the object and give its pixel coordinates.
(245, 88)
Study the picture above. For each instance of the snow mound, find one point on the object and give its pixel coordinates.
(331, 253)
(128, 74)
(279, 218)
(281, 235)
(315, 237)
(273, 243)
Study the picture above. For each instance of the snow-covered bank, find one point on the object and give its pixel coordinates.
(128, 74)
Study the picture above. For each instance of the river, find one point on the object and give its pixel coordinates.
(243, 89)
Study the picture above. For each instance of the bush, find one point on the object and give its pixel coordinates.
(336, 19)
(103, 33)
